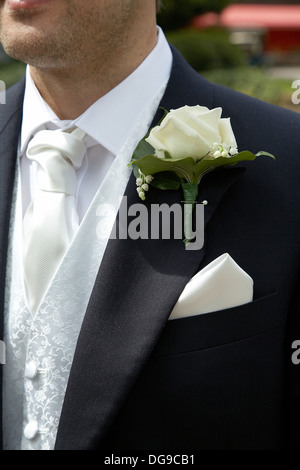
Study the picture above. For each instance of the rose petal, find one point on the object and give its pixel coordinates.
(226, 132)
(179, 140)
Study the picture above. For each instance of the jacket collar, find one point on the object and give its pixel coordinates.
(135, 291)
(10, 125)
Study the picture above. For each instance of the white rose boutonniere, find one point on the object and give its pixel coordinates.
(192, 132)
(188, 143)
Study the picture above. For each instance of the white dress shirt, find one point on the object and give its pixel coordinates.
(108, 122)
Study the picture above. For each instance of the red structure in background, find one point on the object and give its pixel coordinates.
(279, 25)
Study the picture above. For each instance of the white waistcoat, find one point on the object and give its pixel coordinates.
(40, 347)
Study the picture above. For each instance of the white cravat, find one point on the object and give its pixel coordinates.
(50, 222)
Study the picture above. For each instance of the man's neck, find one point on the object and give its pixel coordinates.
(70, 91)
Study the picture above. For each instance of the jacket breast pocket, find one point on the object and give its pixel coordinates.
(219, 328)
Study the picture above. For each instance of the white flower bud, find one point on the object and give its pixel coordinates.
(139, 190)
(149, 179)
(224, 154)
(217, 154)
(145, 187)
(233, 151)
(142, 195)
(139, 181)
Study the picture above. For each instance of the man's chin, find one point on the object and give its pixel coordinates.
(24, 51)
(22, 40)
(16, 52)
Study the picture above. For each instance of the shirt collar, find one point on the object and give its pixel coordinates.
(111, 119)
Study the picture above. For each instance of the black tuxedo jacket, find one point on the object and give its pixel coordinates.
(224, 380)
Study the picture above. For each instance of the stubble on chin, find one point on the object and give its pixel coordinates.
(71, 36)
(40, 44)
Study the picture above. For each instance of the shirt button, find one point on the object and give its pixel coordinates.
(31, 370)
(31, 430)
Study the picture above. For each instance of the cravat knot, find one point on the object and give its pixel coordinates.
(58, 155)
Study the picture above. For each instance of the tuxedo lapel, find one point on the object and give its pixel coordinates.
(10, 124)
(135, 291)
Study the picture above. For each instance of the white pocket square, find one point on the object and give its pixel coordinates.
(221, 284)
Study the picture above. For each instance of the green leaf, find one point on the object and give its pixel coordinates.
(182, 167)
(143, 148)
(186, 168)
(166, 180)
(263, 153)
(206, 165)
(165, 113)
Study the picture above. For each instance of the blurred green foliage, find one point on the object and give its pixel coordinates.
(208, 49)
(177, 14)
(211, 53)
(256, 82)
(11, 72)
